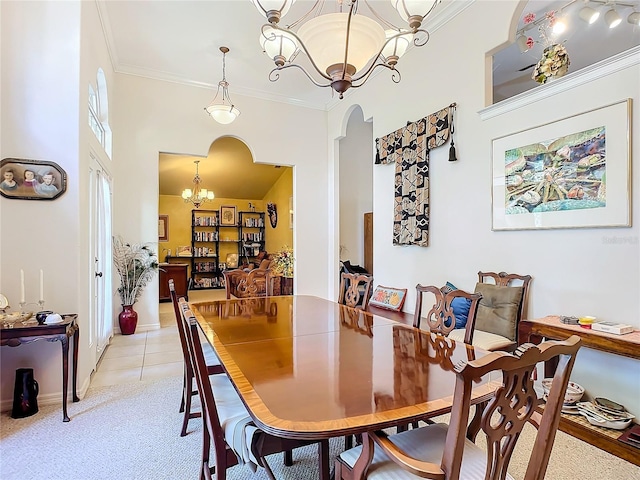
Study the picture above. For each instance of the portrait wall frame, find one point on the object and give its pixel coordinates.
(570, 173)
(47, 181)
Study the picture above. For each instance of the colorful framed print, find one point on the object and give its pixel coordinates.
(388, 297)
(571, 173)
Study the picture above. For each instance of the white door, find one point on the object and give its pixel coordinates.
(101, 325)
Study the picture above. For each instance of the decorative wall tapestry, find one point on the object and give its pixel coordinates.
(409, 148)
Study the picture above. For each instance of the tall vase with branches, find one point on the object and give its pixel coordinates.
(136, 264)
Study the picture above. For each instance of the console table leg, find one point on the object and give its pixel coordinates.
(323, 454)
(76, 342)
(65, 376)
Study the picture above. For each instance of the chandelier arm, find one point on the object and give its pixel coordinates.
(380, 18)
(318, 3)
(346, 43)
(417, 42)
(276, 74)
(395, 76)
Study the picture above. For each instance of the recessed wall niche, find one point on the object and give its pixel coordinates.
(585, 43)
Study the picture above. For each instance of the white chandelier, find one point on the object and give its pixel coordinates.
(344, 48)
(224, 112)
(199, 195)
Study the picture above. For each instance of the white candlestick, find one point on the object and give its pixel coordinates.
(21, 286)
(41, 286)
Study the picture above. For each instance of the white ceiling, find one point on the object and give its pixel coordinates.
(179, 41)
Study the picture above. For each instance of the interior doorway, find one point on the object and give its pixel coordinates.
(356, 191)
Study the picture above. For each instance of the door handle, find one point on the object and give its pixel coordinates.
(98, 274)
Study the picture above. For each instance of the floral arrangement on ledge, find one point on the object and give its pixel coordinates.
(136, 265)
(282, 262)
(554, 63)
(555, 59)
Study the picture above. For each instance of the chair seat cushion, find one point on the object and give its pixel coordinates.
(483, 340)
(426, 444)
(239, 430)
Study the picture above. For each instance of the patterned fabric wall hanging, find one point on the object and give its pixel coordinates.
(408, 148)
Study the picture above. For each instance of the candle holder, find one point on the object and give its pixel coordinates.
(40, 304)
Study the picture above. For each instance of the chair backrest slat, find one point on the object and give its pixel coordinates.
(355, 290)
(441, 318)
(510, 408)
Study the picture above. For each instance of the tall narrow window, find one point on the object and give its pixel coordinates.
(99, 112)
(94, 120)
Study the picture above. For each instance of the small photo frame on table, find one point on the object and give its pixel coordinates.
(228, 215)
(570, 173)
(31, 179)
(163, 228)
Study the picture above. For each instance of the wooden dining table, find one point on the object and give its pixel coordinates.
(309, 368)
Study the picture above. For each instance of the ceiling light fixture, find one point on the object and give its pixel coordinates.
(199, 195)
(634, 18)
(224, 112)
(343, 48)
(588, 14)
(521, 41)
(613, 18)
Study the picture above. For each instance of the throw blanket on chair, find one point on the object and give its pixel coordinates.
(408, 148)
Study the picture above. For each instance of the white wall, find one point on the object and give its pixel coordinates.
(40, 111)
(575, 272)
(356, 186)
(153, 116)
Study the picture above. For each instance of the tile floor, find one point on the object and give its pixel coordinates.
(147, 355)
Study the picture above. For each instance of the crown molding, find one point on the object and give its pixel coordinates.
(588, 74)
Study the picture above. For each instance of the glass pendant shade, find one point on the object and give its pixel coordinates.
(325, 38)
(281, 6)
(186, 193)
(278, 43)
(398, 46)
(634, 18)
(412, 8)
(589, 15)
(222, 113)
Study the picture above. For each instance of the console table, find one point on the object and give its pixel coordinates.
(21, 334)
(628, 345)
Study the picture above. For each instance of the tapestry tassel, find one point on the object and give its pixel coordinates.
(452, 147)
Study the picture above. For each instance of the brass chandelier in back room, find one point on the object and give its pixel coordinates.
(198, 195)
(343, 48)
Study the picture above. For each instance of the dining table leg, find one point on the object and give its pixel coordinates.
(323, 457)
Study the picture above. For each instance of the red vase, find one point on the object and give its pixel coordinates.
(128, 319)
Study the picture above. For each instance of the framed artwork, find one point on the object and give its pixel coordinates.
(571, 173)
(163, 228)
(228, 215)
(31, 179)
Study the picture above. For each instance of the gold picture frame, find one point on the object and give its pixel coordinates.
(163, 228)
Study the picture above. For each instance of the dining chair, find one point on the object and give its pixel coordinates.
(443, 452)
(503, 305)
(188, 387)
(245, 284)
(355, 290)
(441, 318)
(227, 425)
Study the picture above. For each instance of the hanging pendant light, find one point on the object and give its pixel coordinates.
(198, 195)
(223, 112)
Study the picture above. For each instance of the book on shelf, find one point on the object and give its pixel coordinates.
(612, 327)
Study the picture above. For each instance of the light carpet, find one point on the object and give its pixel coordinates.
(131, 431)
